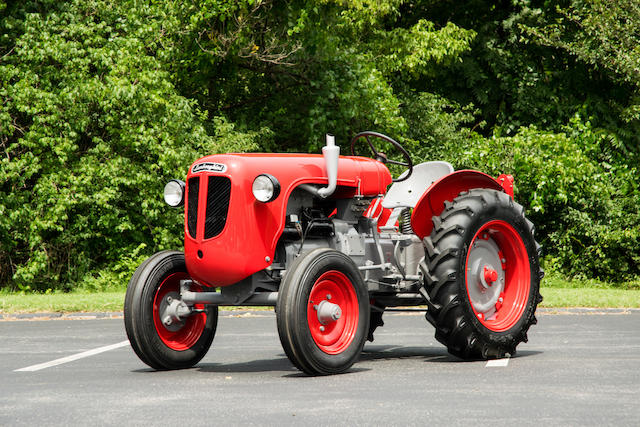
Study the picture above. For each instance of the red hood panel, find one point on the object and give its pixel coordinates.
(247, 242)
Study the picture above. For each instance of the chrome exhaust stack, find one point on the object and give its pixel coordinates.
(331, 153)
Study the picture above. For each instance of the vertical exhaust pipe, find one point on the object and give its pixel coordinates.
(331, 153)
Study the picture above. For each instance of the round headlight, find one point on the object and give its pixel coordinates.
(265, 188)
(174, 193)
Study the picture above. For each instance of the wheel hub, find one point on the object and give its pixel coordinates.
(333, 312)
(485, 276)
(173, 311)
(178, 326)
(328, 312)
(490, 275)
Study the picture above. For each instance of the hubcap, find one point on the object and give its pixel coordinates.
(328, 312)
(490, 275)
(498, 275)
(332, 312)
(485, 276)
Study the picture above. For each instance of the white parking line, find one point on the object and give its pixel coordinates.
(498, 363)
(72, 357)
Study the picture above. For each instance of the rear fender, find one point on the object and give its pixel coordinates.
(449, 187)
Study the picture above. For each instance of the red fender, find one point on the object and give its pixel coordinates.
(449, 187)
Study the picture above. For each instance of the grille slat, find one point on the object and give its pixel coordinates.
(218, 193)
(192, 205)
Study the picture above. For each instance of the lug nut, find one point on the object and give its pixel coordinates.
(321, 328)
(328, 296)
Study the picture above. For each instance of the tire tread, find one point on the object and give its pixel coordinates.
(443, 250)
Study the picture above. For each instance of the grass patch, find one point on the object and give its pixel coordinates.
(79, 301)
(590, 297)
(561, 292)
(555, 280)
(61, 302)
(557, 293)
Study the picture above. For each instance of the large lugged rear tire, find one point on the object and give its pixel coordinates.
(180, 345)
(483, 275)
(323, 312)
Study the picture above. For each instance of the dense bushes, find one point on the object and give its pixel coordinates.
(91, 127)
(585, 204)
(101, 102)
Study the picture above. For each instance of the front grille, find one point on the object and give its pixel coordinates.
(192, 205)
(218, 193)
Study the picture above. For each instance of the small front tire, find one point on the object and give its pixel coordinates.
(177, 346)
(323, 312)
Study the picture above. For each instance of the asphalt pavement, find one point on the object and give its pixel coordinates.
(578, 368)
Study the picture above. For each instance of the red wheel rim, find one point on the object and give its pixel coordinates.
(498, 276)
(334, 336)
(179, 337)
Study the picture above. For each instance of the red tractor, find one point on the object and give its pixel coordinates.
(328, 242)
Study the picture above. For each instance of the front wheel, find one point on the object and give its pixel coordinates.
(323, 312)
(180, 344)
(483, 275)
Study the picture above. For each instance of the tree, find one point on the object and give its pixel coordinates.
(91, 126)
(604, 36)
(101, 102)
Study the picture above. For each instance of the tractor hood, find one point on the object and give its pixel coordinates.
(229, 235)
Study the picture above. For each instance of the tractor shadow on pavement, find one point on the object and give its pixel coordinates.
(388, 352)
(428, 354)
(265, 365)
(371, 353)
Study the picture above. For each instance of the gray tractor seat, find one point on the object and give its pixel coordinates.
(406, 194)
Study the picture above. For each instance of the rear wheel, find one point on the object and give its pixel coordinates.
(483, 275)
(179, 344)
(323, 312)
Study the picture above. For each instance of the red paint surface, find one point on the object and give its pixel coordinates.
(447, 188)
(506, 181)
(490, 275)
(253, 228)
(185, 337)
(517, 280)
(337, 335)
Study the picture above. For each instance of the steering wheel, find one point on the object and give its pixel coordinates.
(380, 156)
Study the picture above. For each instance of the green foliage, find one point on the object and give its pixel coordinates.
(538, 62)
(604, 36)
(91, 127)
(102, 101)
(534, 67)
(304, 68)
(584, 201)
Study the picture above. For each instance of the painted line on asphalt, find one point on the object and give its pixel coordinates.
(498, 363)
(73, 357)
